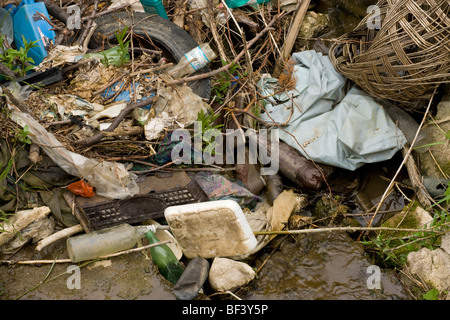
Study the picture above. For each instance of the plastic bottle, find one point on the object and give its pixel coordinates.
(408, 126)
(29, 24)
(240, 3)
(165, 259)
(154, 7)
(6, 26)
(103, 242)
(192, 61)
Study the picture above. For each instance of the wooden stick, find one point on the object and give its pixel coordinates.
(10, 262)
(59, 235)
(291, 37)
(213, 28)
(414, 174)
(341, 229)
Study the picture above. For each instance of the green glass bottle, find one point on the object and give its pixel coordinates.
(165, 259)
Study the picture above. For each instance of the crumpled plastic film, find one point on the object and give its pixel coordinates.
(330, 126)
(110, 179)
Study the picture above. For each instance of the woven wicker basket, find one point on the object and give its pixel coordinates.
(405, 59)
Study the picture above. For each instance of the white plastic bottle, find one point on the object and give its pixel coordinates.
(103, 242)
(192, 61)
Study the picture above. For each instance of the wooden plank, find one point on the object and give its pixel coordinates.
(291, 37)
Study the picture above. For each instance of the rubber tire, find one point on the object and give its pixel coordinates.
(170, 38)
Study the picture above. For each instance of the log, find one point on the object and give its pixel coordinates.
(19, 221)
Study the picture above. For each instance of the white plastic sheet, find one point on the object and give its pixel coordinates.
(327, 124)
(110, 179)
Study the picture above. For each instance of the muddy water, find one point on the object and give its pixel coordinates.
(318, 267)
(127, 277)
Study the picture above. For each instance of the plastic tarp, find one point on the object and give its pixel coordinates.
(324, 122)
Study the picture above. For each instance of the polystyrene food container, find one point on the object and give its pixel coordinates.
(211, 229)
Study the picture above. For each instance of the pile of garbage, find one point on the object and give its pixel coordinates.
(188, 124)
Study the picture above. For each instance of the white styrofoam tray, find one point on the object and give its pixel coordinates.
(211, 229)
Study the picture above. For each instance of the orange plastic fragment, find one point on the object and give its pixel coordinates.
(81, 188)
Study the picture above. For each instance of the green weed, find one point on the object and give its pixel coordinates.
(432, 294)
(123, 46)
(207, 121)
(224, 81)
(393, 251)
(23, 135)
(18, 60)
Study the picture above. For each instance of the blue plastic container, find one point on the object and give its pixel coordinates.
(154, 7)
(29, 24)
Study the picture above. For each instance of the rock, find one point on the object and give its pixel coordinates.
(445, 242)
(441, 152)
(229, 275)
(433, 266)
(313, 26)
(409, 219)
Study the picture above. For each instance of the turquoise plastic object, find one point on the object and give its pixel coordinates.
(240, 3)
(29, 24)
(154, 7)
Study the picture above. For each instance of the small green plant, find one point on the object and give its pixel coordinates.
(207, 121)
(432, 294)
(105, 60)
(23, 135)
(18, 60)
(224, 81)
(4, 219)
(123, 46)
(393, 251)
(117, 55)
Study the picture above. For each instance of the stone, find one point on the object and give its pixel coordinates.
(433, 266)
(445, 242)
(314, 25)
(437, 130)
(228, 275)
(409, 219)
